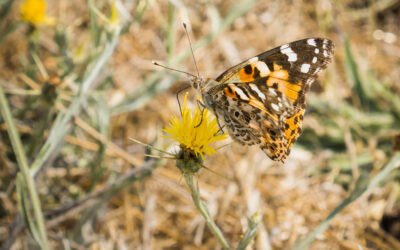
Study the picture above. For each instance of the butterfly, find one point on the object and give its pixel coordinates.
(262, 100)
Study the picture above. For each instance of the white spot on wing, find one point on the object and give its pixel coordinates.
(325, 42)
(312, 42)
(259, 93)
(284, 46)
(316, 51)
(263, 68)
(254, 59)
(305, 67)
(285, 49)
(274, 106)
(272, 91)
(314, 60)
(240, 93)
(325, 53)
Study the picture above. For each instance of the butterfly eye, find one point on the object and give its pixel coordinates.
(194, 83)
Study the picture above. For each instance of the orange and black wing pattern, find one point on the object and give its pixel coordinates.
(263, 99)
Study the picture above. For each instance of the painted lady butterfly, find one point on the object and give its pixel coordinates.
(262, 100)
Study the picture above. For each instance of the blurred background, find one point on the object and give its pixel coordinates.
(78, 80)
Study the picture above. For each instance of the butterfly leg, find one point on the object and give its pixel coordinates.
(202, 108)
(177, 97)
(221, 128)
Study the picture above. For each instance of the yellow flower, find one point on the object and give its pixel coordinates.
(33, 11)
(196, 131)
(114, 18)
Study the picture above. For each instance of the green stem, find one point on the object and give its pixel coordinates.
(250, 232)
(23, 166)
(200, 205)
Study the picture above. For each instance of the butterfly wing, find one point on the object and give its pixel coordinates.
(265, 95)
(254, 115)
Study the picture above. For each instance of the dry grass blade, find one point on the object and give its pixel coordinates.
(70, 210)
(37, 228)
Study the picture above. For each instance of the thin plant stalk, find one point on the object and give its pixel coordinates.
(247, 238)
(24, 168)
(251, 231)
(205, 213)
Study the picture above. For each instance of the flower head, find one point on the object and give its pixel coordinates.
(196, 131)
(34, 12)
(114, 18)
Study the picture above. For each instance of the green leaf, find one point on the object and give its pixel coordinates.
(23, 208)
(353, 76)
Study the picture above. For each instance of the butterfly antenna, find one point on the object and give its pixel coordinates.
(177, 70)
(191, 49)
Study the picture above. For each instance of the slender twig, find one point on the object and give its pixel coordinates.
(73, 208)
(159, 157)
(24, 168)
(151, 147)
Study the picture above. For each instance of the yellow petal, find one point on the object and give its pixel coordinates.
(196, 131)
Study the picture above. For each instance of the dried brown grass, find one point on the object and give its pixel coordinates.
(157, 212)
